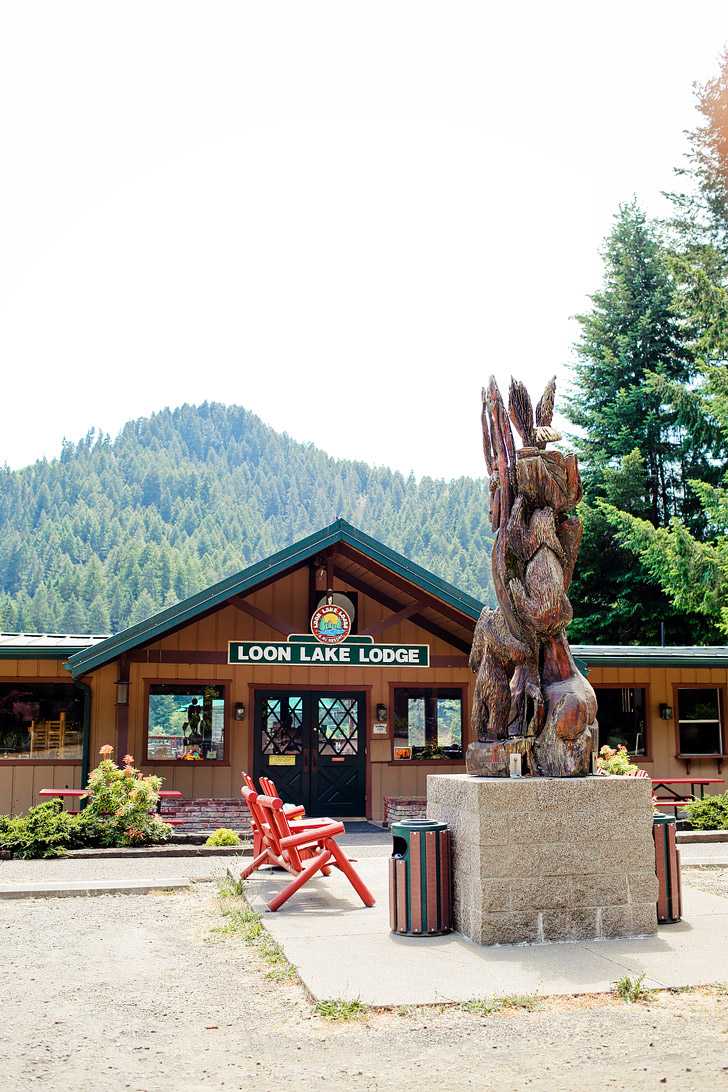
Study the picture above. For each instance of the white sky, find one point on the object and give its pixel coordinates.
(342, 217)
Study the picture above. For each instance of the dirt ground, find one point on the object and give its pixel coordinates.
(131, 992)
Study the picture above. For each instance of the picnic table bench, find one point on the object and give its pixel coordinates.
(677, 798)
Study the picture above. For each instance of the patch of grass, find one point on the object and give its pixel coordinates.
(632, 991)
(338, 1009)
(240, 920)
(486, 1006)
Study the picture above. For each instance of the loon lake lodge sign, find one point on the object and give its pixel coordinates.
(302, 648)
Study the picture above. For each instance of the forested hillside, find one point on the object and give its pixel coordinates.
(114, 530)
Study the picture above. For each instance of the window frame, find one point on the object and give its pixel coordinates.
(180, 763)
(721, 688)
(647, 756)
(42, 680)
(440, 763)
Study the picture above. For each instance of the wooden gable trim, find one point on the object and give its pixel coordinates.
(401, 583)
(393, 619)
(262, 616)
(393, 605)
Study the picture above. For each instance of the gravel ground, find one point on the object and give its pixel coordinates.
(133, 992)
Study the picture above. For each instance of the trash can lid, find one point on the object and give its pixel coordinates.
(419, 824)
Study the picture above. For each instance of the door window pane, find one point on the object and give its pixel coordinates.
(699, 719)
(338, 726)
(281, 725)
(429, 721)
(40, 721)
(622, 717)
(186, 722)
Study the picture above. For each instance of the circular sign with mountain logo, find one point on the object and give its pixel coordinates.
(330, 624)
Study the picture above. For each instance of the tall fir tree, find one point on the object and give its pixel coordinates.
(637, 443)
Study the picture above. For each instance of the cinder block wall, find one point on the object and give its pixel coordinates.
(544, 859)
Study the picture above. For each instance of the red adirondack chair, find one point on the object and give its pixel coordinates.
(307, 848)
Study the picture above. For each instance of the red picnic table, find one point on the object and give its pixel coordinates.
(677, 798)
(79, 794)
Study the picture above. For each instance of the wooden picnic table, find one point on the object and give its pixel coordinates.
(79, 794)
(75, 794)
(676, 797)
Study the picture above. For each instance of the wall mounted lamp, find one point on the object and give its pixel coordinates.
(382, 712)
(122, 691)
(239, 710)
(665, 711)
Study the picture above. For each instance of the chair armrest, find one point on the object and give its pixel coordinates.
(312, 836)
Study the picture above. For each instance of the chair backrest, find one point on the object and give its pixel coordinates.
(276, 827)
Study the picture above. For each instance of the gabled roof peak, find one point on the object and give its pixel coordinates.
(276, 565)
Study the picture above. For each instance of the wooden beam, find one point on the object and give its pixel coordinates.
(393, 605)
(393, 619)
(175, 656)
(402, 584)
(262, 616)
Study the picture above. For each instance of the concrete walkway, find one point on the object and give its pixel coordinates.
(343, 949)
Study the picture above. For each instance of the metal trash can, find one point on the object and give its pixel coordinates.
(420, 878)
(667, 867)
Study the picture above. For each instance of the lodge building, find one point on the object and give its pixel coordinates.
(234, 679)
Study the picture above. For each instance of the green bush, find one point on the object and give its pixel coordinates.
(223, 836)
(46, 831)
(710, 813)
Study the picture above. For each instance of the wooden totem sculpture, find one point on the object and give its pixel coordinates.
(530, 698)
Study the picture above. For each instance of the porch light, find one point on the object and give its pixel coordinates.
(665, 711)
(382, 712)
(239, 710)
(122, 691)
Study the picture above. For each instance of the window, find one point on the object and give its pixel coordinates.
(429, 721)
(40, 721)
(699, 721)
(621, 717)
(186, 722)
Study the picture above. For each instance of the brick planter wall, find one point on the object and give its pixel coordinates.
(206, 815)
(397, 808)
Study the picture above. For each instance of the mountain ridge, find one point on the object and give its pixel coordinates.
(111, 531)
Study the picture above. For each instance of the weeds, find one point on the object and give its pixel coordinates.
(632, 991)
(240, 920)
(486, 1006)
(338, 1009)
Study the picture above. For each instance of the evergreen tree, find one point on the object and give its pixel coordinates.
(638, 444)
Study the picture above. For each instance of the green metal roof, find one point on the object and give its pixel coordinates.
(652, 655)
(276, 565)
(44, 646)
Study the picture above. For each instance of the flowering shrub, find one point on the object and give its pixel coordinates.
(123, 804)
(612, 761)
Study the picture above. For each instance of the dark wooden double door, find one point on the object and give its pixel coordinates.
(312, 743)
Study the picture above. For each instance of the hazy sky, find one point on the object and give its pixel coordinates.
(341, 216)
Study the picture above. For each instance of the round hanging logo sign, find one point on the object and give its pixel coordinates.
(330, 624)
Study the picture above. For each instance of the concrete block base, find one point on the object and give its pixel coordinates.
(543, 859)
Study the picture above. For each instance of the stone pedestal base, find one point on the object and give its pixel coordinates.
(544, 859)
